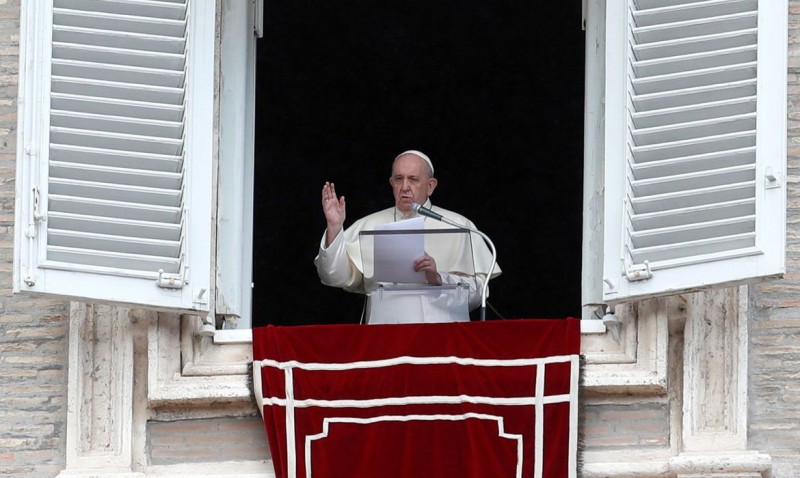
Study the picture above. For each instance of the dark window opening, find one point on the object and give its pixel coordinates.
(491, 91)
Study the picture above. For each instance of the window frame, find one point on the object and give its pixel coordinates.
(234, 236)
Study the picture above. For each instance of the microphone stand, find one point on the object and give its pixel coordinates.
(428, 213)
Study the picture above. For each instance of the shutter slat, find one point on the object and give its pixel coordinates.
(684, 233)
(114, 209)
(719, 245)
(122, 23)
(107, 106)
(690, 11)
(113, 243)
(695, 147)
(648, 4)
(115, 192)
(112, 175)
(694, 95)
(115, 158)
(693, 215)
(692, 181)
(117, 73)
(114, 226)
(151, 8)
(693, 164)
(695, 45)
(703, 77)
(695, 28)
(112, 260)
(121, 91)
(116, 124)
(697, 61)
(118, 56)
(672, 133)
(696, 197)
(694, 112)
(129, 142)
(119, 39)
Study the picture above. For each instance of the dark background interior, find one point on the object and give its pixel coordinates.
(492, 91)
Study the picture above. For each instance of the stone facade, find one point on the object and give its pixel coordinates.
(696, 385)
(33, 331)
(774, 369)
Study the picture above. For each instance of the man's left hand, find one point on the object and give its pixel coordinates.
(427, 264)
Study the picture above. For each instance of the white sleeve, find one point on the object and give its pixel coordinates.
(334, 266)
(475, 285)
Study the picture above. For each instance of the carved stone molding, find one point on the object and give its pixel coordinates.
(723, 465)
(185, 368)
(99, 401)
(637, 362)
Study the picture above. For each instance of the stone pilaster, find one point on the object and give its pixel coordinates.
(714, 439)
(99, 403)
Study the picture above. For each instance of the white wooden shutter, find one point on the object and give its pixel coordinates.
(695, 144)
(115, 151)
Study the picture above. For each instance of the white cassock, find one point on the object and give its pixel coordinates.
(458, 261)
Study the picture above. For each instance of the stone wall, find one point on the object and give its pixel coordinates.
(33, 331)
(206, 440)
(774, 395)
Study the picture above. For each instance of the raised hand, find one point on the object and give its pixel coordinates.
(334, 210)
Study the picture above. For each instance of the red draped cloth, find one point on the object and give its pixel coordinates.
(475, 399)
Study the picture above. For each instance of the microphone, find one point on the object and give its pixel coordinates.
(424, 211)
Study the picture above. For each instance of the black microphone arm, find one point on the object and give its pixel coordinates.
(424, 211)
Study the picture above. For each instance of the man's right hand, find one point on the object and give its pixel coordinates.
(334, 209)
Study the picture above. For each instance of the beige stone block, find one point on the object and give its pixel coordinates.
(28, 402)
(41, 389)
(15, 319)
(25, 430)
(16, 442)
(52, 375)
(33, 332)
(40, 456)
(33, 360)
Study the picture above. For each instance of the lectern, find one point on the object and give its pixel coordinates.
(397, 294)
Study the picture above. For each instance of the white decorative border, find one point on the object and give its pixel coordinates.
(407, 418)
(538, 400)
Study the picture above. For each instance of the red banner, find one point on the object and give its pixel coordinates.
(475, 399)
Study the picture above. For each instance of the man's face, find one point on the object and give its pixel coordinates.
(410, 182)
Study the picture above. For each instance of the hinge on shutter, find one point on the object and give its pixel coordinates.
(31, 231)
(639, 272)
(37, 207)
(36, 217)
(171, 281)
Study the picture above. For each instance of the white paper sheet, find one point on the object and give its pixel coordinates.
(395, 253)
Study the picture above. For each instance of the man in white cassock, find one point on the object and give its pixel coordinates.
(342, 263)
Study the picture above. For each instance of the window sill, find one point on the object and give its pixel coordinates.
(245, 336)
(233, 336)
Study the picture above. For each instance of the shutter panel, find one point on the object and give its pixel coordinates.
(695, 144)
(116, 152)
